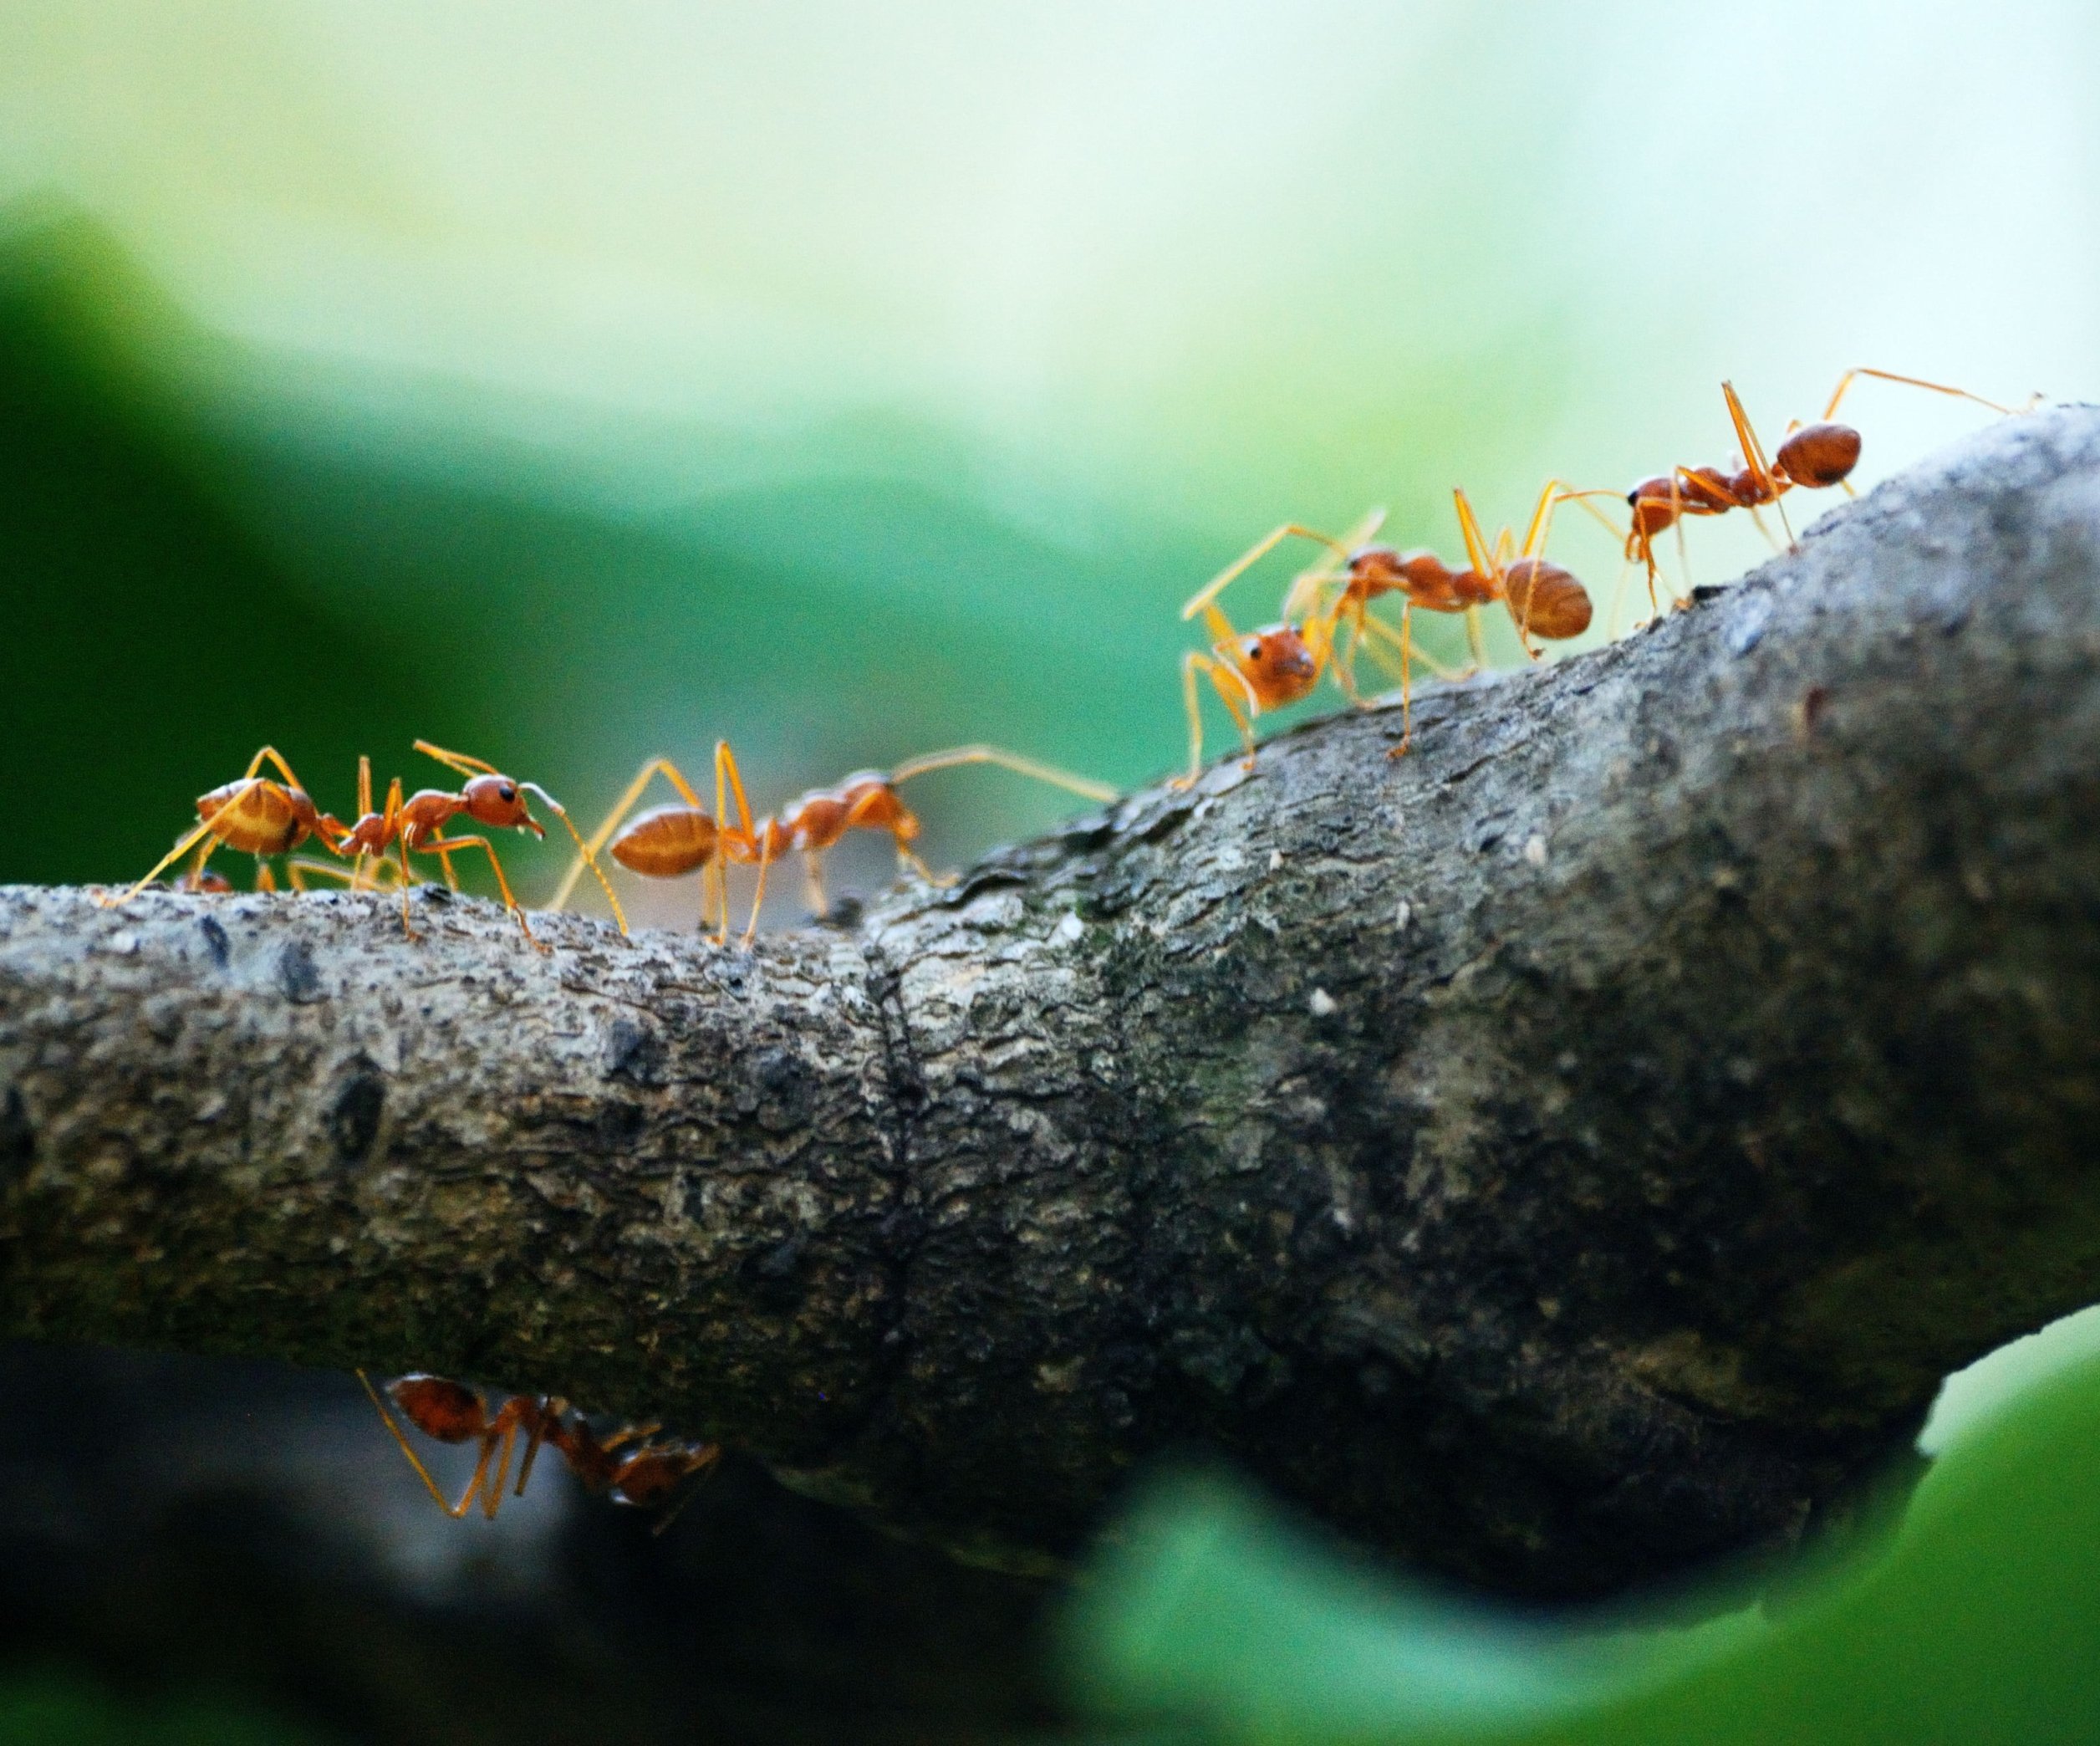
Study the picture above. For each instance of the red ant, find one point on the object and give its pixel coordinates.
(1282, 663)
(452, 1412)
(488, 797)
(670, 841)
(1815, 456)
(256, 815)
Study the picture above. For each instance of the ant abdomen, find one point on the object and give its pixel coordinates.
(1818, 455)
(1546, 600)
(666, 842)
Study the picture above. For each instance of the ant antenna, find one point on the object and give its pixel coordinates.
(983, 754)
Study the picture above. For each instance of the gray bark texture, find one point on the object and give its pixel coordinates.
(1566, 1153)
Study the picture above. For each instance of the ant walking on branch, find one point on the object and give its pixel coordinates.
(1281, 663)
(646, 1475)
(256, 815)
(670, 841)
(417, 824)
(1815, 457)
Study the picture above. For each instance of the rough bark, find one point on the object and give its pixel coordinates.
(1569, 1150)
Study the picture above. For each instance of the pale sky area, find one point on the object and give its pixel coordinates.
(1171, 256)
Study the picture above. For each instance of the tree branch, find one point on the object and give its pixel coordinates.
(1574, 1149)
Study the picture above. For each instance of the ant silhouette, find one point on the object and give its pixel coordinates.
(254, 814)
(670, 841)
(646, 1475)
(487, 797)
(1814, 456)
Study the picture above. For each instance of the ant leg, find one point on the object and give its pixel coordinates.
(729, 781)
(400, 846)
(1484, 566)
(1419, 655)
(598, 872)
(1345, 662)
(194, 879)
(541, 1407)
(1225, 681)
(457, 761)
(1754, 458)
(621, 808)
(189, 840)
(1191, 664)
(492, 1488)
(812, 873)
(466, 1497)
(446, 845)
(758, 897)
(1253, 555)
(1677, 521)
(1407, 680)
(703, 1464)
(303, 867)
(1846, 380)
(1618, 596)
(1304, 592)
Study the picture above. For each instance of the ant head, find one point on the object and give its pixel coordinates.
(450, 1411)
(649, 1476)
(1277, 665)
(497, 800)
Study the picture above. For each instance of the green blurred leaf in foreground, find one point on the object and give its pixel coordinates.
(41, 1708)
(1977, 1619)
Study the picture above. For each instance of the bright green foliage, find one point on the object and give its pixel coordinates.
(1976, 1619)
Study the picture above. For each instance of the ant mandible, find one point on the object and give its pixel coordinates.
(1813, 455)
(256, 815)
(488, 797)
(670, 841)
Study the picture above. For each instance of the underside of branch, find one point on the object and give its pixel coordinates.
(1571, 1149)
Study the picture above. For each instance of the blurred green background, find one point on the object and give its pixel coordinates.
(572, 384)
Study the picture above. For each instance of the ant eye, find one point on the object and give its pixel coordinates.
(507, 793)
(1254, 651)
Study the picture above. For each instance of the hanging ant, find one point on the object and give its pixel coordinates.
(256, 815)
(487, 797)
(450, 1412)
(1814, 455)
(670, 841)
